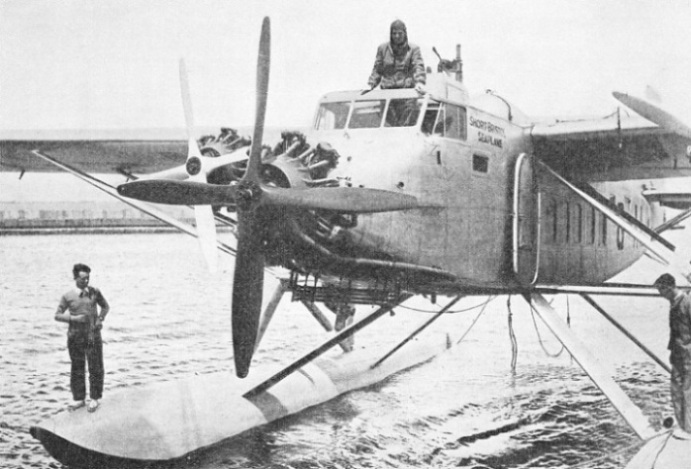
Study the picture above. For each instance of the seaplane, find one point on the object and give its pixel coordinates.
(390, 194)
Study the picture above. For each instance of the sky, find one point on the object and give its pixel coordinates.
(114, 64)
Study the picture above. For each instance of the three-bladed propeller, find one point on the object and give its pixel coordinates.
(250, 197)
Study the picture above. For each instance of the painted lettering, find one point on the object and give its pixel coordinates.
(494, 141)
(486, 126)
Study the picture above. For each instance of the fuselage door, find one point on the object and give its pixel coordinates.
(526, 221)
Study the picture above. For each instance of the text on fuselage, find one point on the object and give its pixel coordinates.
(485, 128)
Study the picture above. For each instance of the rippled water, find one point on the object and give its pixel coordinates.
(467, 408)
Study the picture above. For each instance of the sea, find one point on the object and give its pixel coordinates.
(506, 395)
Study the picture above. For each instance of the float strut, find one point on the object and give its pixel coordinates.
(270, 310)
(344, 334)
(321, 319)
(417, 331)
(318, 315)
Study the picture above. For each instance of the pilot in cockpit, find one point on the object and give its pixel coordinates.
(398, 63)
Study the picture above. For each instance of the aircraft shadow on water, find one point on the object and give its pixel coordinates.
(390, 194)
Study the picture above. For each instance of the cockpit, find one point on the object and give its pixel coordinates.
(391, 109)
(368, 114)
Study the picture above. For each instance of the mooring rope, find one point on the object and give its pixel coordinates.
(512, 336)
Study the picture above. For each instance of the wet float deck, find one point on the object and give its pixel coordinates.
(167, 421)
(663, 452)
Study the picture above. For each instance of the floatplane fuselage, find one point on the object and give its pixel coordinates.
(468, 162)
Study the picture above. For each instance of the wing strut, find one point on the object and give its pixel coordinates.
(591, 365)
(344, 334)
(143, 207)
(660, 252)
(623, 330)
(669, 224)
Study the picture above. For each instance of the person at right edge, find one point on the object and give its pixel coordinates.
(398, 64)
(680, 352)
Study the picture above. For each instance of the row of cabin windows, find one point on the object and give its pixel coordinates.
(576, 224)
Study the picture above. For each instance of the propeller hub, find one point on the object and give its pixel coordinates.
(247, 192)
(193, 165)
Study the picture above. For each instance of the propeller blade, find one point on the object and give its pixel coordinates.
(248, 282)
(206, 233)
(263, 66)
(655, 114)
(248, 286)
(171, 192)
(342, 199)
(196, 167)
(186, 98)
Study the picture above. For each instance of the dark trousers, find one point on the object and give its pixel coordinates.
(82, 351)
(681, 392)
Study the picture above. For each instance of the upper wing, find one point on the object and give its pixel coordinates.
(615, 147)
(95, 151)
(126, 151)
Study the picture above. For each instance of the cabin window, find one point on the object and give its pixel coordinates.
(593, 225)
(568, 223)
(332, 116)
(446, 120)
(367, 114)
(579, 223)
(455, 122)
(480, 163)
(430, 118)
(402, 112)
(604, 230)
(552, 221)
(620, 231)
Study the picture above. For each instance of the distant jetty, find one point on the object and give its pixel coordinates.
(43, 218)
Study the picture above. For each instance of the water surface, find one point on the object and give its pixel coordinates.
(467, 408)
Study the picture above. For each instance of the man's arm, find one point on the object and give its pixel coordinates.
(63, 315)
(419, 74)
(105, 308)
(375, 77)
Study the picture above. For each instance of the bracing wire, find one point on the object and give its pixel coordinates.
(539, 337)
(484, 306)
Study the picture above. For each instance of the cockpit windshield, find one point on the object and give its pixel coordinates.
(403, 112)
(332, 116)
(368, 114)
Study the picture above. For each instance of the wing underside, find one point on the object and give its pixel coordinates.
(94, 151)
(616, 147)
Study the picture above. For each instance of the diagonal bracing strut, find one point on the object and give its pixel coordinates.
(616, 324)
(591, 365)
(417, 331)
(344, 334)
